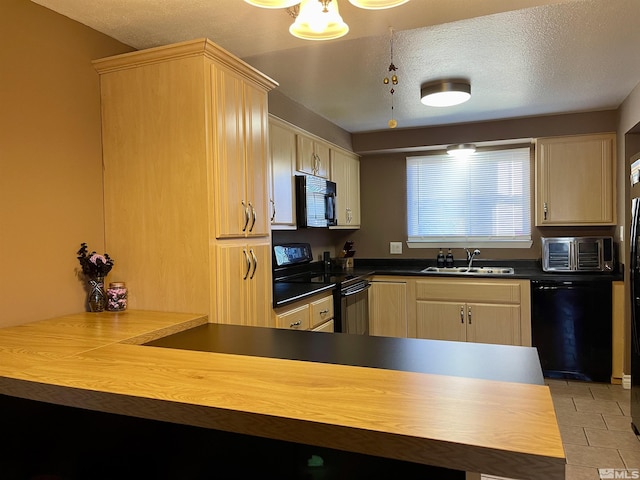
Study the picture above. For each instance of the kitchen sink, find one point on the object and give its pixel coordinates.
(470, 271)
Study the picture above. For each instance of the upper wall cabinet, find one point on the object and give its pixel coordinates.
(575, 180)
(345, 172)
(240, 169)
(282, 145)
(312, 156)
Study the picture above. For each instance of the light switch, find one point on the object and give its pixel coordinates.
(395, 247)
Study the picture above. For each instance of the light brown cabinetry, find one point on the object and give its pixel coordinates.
(312, 155)
(282, 145)
(315, 313)
(618, 334)
(480, 310)
(575, 180)
(388, 307)
(244, 295)
(345, 172)
(240, 162)
(185, 162)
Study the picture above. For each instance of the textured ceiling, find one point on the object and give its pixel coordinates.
(523, 57)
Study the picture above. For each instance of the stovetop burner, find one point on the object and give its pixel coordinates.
(315, 277)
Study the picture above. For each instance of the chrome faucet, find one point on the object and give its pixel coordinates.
(470, 256)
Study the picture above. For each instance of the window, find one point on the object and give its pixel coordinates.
(480, 200)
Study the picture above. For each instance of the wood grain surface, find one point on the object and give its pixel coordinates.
(91, 361)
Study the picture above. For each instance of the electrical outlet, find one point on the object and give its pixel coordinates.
(395, 247)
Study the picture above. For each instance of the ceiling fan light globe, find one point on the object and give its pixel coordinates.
(273, 3)
(377, 4)
(312, 23)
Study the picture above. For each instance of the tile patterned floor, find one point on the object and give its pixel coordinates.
(595, 425)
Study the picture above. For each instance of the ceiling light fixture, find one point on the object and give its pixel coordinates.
(445, 93)
(377, 4)
(318, 20)
(461, 150)
(273, 3)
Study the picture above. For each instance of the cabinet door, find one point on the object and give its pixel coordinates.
(282, 144)
(575, 180)
(240, 156)
(256, 122)
(498, 324)
(243, 291)
(388, 309)
(441, 321)
(345, 172)
(232, 213)
(312, 156)
(323, 153)
(259, 294)
(305, 155)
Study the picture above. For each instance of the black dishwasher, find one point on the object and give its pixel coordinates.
(571, 328)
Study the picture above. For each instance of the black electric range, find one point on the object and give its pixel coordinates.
(296, 276)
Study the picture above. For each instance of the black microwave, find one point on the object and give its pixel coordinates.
(315, 202)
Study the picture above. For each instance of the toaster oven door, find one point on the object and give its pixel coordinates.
(557, 255)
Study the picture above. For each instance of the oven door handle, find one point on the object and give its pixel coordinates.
(348, 293)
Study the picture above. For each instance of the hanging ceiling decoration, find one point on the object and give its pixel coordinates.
(393, 123)
(320, 19)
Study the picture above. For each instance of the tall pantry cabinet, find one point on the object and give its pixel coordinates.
(185, 143)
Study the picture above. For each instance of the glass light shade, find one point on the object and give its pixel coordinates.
(273, 3)
(377, 4)
(312, 23)
(445, 93)
(461, 150)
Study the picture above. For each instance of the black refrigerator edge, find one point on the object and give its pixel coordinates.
(635, 313)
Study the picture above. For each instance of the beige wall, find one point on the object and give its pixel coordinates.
(50, 159)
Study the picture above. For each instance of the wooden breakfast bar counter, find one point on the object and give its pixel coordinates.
(428, 414)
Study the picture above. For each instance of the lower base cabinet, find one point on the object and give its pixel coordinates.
(388, 307)
(480, 310)
(314, 313)
(483, 310)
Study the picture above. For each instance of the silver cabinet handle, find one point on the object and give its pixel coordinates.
(324, 312)
(462, 314)
(469, 315)
(248, 260)
(253, 217)
(246, 216)
(545, 209)
(273, 210)
(255, 263)
(295, 324)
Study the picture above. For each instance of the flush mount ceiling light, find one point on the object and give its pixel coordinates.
(377, 4)
(445, 93)
(273, 3)
(461, 150)
(318, 20)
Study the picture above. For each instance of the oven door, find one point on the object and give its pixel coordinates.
(354, 308)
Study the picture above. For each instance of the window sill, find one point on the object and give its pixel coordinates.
(444, 243)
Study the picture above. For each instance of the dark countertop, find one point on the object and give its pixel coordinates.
(459, 359)
(285, 292)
